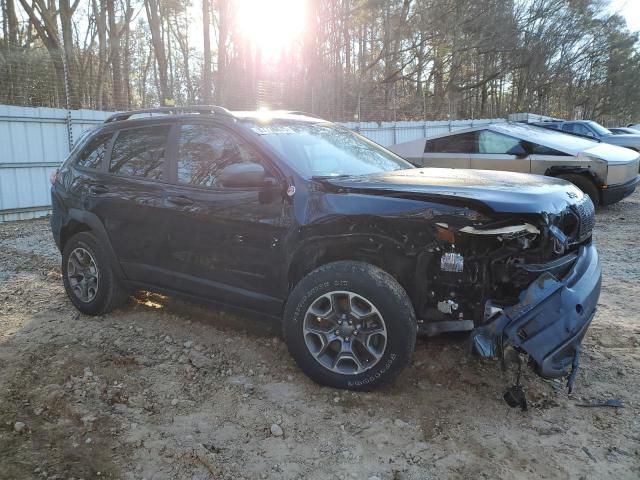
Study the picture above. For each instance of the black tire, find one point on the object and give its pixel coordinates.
(584, 184)
(375, 286)
(109, 293)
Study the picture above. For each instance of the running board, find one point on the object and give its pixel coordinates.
(434, 328)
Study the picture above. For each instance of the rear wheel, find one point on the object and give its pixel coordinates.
(350, 325)
(88, 277)
(584, 184)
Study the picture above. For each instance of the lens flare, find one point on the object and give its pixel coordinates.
(271, 25)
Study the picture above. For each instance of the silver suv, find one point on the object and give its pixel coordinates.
(605, 172)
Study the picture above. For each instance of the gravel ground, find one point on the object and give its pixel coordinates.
(166, 389)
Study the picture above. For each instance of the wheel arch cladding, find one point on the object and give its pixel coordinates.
(381, 252)
(88, 222)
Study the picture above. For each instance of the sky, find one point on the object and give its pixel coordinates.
(630, 10)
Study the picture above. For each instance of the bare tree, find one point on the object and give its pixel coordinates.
(153, 16)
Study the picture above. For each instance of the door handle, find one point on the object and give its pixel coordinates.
(98, 189)
(179, 200)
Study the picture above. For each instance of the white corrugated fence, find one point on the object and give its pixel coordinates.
(34, 141)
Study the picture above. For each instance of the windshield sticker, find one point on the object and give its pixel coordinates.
(272, 130)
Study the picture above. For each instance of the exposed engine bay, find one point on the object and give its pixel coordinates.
(489, 275)
(477, 268)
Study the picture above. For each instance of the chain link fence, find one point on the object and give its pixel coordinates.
(30, 78)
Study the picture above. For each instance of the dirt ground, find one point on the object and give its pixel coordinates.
(166, 389)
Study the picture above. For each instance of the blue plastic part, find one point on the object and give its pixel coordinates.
(551, 318)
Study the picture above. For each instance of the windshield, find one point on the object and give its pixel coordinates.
(325, 150)
(600, 130)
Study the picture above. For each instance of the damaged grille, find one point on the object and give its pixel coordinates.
(587, 215)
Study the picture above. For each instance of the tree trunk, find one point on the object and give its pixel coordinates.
(99, 12)
(116, 57)
(223, 32)
(66, 12)
(206, 37)
(153, 17)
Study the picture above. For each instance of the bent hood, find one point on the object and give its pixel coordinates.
(500, 191)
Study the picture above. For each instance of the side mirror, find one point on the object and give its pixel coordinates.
(240, 175)
(518, 150)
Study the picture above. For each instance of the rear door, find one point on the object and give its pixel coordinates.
(451, 151)
(88, 170)
(497, 151)
(128, 198)
(223, 242)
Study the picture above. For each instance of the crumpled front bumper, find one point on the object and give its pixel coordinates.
(551, 318)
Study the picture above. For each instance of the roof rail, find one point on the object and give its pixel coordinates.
(306, 114)
(201, 109)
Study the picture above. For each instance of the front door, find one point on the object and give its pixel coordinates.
(223, 242)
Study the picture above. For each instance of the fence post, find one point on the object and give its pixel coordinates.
(395, 135)
(65, 69)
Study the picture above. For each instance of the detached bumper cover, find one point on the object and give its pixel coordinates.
(551, 318)
(615, 193)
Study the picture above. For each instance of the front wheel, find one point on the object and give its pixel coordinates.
(88, 276)
(350, 325)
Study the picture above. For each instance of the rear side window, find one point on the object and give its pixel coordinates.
(93, 153)
(204, 151)
(140, 152)
(461, 143)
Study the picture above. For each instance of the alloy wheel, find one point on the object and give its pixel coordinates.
(83, 274)
(345, 332)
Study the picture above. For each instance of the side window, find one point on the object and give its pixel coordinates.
(496, 143)
(577, 128)
(584, 130)
(205, 150)
(461, 143)
(92, 154)
(140, 152)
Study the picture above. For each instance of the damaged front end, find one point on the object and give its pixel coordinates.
(532, 285)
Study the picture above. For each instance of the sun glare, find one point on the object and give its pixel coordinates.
(271, 25)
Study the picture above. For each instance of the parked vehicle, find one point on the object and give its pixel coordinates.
(605, 172)
(624, 131)
(350, 246)
(595, 131)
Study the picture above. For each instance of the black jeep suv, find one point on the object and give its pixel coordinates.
(353, 248)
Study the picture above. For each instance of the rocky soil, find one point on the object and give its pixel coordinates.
(166, 389)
